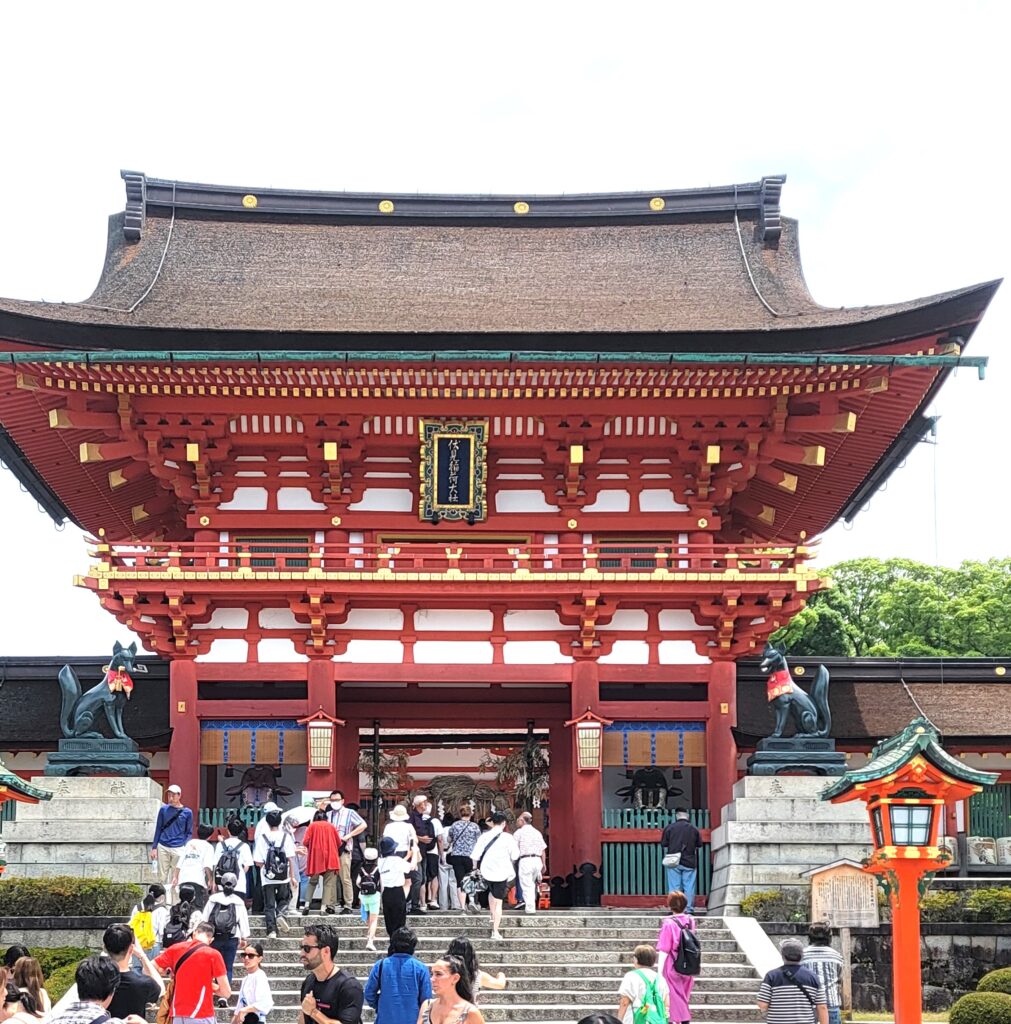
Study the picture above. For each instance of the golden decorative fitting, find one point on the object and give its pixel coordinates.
(803, 534)
(576, 454)
(335, 521)
(386, 206)
(1000, 670)
(205, 520)
(572, 524)
(521, 207)
(657, 204)
(249, 202)
(799, 670)
(703, 523)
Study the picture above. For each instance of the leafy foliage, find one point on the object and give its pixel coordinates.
(989, 905)
(996, 981)
(943, 905)
(53, 958)
(777, 905)
(982, 1008)
(65, 896)
(901, 608)
(61, 979)
(392, 768)
(525, 770)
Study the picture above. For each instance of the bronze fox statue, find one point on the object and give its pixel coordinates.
(810, 712)
(80, 712)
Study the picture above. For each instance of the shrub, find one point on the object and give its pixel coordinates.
(996, 981)
(982, 1008)
(65, 896)
(989, 905)
(60, 980)
(52, 959)
(942, 905)
(776, 905)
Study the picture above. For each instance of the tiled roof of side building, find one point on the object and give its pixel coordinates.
(193, 259)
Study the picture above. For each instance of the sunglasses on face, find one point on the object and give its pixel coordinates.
(252, 956)
(308, 949)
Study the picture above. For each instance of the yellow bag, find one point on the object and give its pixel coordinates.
(143, 928)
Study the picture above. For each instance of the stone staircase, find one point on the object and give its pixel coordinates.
(561, 964)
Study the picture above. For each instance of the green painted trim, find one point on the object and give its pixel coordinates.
(919, 737)
(469, 355)
(18, 784)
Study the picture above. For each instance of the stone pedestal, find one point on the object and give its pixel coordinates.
(776, 829)
(92, 828)
(811, 755)
(97, 757)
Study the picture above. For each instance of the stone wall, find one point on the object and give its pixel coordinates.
(954, 958)
(49, 932)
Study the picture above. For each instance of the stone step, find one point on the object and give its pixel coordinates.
(539, 922)
(557, 1013)
(553, 982)
(290, 974)
(513, 938)
(513, 959)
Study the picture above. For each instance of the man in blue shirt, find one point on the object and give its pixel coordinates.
(400, 983)
(172, 831)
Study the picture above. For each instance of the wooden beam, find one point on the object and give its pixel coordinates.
(777, 477)
(650, 710)
(837, 423)
(78, 419)
(252, 709)
(800, 455)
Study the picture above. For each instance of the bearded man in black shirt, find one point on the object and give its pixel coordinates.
(328, 993)
(681, 841)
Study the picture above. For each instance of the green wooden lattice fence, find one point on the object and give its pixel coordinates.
(636, 869)
(990, 812)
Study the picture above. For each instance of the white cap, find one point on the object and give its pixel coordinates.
(270, 806)
(174, 789)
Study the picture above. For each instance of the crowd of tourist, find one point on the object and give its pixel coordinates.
(180, 946)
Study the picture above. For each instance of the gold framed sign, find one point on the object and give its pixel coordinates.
(453, 470)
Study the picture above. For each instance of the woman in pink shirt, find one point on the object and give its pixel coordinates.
(667, 943)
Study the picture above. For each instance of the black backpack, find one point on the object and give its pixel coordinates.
(175, 930)
(368, 883)
(223, 917)
(688, 959)
(228, 861)
(275, 865)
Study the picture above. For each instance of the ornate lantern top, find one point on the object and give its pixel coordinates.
(13, 787)
(913, 754)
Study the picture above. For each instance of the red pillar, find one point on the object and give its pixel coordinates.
(721, 750)
(906, 970)
(587, 789)
(184, 746)
(322, 693)
(561, 823)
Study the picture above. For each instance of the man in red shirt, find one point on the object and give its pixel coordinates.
(196, 968)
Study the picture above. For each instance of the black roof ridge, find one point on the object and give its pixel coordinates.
(754, 199)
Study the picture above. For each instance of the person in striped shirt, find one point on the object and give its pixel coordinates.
(827, 965)
(791, 994)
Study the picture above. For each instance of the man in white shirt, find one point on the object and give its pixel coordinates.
(261, 825)
(349, 824)
(531, 866)
(272, 854)
(495, 855)
(195, 866)
(226, 911)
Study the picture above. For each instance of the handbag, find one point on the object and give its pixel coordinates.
(474, 882)
(671, 860)
(164, 1014)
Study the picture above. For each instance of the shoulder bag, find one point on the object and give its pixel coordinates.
(474, 882)
(792, 979)
(164, 1015)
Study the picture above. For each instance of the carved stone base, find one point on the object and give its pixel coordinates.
(77, 757)
(797, 755)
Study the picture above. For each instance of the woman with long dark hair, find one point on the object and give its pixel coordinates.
(19, 1006)
(463, 948)
(452, 1000)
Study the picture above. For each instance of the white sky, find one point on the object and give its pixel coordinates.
(890, 121)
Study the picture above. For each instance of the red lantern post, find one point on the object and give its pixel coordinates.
(906, 785)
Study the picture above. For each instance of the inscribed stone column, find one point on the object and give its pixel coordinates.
(184, 747)
(721, 749)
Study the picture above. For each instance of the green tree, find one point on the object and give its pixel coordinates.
(901, 608)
